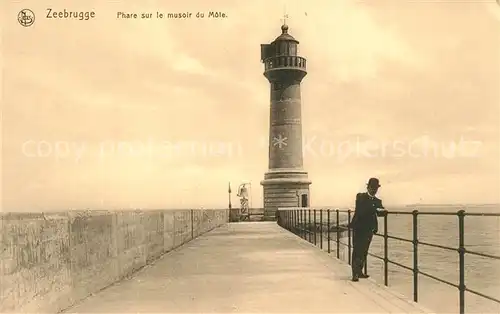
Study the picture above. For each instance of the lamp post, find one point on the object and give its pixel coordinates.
(229, 205)
(229, 194)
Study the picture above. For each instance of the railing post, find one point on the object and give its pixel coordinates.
(386, 252)
(321, 229)
(303, 223)
(415, 255)
(295, 222)
(192, 224)
(338, 233)
(309, 225)
(306, 225)
(297, 230)
(290, 220)
(349, 237)
(461, 256)
(287, 215)
(328, 229)
(306, 234)
(315, 227)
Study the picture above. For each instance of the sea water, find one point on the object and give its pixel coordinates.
(482, 234)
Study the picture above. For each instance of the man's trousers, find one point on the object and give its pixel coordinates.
(361, 240)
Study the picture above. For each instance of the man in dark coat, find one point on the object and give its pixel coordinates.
(364, 224)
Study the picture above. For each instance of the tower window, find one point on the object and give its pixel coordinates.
(293, 49)
(283, 48)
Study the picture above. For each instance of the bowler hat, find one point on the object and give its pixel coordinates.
(373, 182)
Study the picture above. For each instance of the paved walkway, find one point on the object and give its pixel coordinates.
(241, 268)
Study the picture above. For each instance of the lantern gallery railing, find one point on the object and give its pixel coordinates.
(315, 224)
(285, 62)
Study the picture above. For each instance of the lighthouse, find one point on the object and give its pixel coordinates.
(286, 183)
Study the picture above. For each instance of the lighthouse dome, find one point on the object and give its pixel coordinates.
(284, 35)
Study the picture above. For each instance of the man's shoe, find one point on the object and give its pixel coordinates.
(355, 278)
(364, 276)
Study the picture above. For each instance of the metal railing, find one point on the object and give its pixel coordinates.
(285, 62)
(305, 223)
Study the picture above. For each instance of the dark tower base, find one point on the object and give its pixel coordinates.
(284, 188)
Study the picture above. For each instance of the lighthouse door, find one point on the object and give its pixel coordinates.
(304, 201)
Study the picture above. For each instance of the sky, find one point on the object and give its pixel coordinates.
(113, 113)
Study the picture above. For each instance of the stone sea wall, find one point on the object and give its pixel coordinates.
(49, 261)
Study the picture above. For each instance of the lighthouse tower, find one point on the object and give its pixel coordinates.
(286, 183)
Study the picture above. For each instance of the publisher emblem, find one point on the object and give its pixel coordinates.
(26, 17)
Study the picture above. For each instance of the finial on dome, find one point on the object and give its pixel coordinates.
(284, 28)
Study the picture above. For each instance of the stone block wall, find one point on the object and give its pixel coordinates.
(49, 261)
